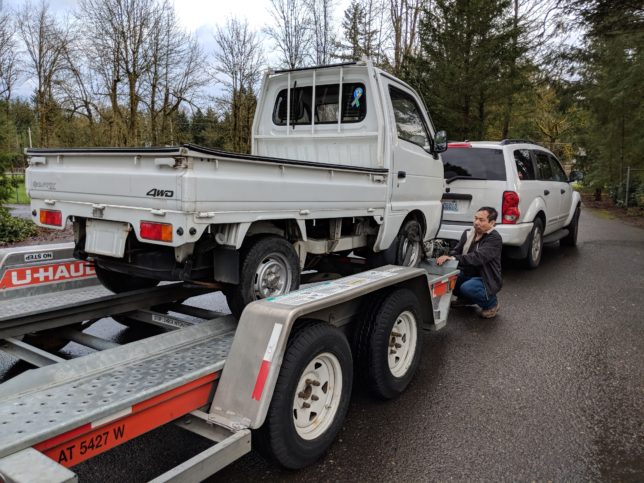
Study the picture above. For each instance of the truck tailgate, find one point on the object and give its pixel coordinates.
(145, 180)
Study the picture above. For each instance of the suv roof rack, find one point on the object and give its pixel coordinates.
(517, 141)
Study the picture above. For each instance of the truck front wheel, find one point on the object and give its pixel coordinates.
(269, 267)
(121, 282)
(388, 345)
(311, 397)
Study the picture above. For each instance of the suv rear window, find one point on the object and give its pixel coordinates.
(463, 163)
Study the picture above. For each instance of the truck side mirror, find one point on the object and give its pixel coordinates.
(440, 142)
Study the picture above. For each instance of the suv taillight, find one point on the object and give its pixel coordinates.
(510, 208)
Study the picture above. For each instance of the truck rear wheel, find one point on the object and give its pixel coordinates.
(388, 344)
(269, 267)
(311, 397)
(121, 282)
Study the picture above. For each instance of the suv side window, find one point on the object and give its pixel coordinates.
(409, 120)
(543, 166)
(525, 168)
(558, 173)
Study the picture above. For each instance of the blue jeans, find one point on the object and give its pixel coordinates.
(472, 289)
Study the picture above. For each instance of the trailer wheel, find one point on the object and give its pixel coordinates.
(388, 344)
(121, 282)
(311, 397)
(269, 267)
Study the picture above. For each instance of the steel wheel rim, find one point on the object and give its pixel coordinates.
(317, 396)
(402, 344)
(536, 244)
(273, 277)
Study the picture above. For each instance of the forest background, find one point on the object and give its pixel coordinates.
(567, 74)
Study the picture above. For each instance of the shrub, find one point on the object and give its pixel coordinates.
(14, 229)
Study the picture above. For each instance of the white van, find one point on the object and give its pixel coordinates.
(524, 182)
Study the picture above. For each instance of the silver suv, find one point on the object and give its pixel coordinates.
(523, 181)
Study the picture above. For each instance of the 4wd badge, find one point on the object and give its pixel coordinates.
(157, 193)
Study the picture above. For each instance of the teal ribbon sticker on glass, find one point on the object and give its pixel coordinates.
(357, 94)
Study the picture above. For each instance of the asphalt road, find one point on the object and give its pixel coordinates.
(552, 389)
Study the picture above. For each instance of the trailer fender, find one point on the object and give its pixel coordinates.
(249, 377)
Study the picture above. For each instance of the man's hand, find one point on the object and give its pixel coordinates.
(442, 259)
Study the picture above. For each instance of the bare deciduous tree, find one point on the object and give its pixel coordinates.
(145, 63)
(238, 63)
(9, 62)
(45, 41)
(176, 71)
(292, 31)
(405, 16)
(321, 13)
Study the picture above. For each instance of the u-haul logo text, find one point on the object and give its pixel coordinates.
(60, 272)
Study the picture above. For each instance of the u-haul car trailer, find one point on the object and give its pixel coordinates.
(282, 374)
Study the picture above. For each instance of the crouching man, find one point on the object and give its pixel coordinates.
(479, 259)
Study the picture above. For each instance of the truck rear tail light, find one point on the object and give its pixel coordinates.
(510, 208)
(156, 231)
(51, 217)
(459, 145)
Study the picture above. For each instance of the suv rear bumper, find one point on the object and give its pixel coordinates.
(513, 235)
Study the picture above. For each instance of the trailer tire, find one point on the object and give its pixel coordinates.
(387, 344)
(122, 282)
(317, 370)
(264, 260)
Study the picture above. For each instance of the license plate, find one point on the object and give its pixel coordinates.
(106, 237)
(450, 205)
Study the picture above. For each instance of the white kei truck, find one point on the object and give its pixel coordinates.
(281, 375)
(344, 159)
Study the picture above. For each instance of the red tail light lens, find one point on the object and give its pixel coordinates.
(510, 208)
(51, 217)
(156, 231)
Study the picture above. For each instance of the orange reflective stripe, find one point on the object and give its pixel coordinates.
(84, 442)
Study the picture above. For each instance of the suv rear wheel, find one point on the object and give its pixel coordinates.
(535, 245)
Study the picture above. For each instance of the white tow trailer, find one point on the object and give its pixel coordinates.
(282, 374)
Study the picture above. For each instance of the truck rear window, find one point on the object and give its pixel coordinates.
(354, 104)
(484, 164)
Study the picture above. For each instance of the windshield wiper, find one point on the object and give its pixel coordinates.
(454, 178)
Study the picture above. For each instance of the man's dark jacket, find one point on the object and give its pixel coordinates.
(486, 258)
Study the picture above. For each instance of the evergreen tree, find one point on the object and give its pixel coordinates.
(461, 70)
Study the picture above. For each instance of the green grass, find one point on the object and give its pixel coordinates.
(19, 194)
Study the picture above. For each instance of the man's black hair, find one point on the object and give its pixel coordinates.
(491, 213)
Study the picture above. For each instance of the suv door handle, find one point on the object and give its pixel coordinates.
(563, 191)
(402, 174)
(546, 192)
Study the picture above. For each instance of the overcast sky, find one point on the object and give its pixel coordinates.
(198, 16)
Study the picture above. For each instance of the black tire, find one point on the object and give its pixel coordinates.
(573, 230)
(406, 250)
(121, 282)
(535, 245)
(259, 257)
(387, 344)
(295, 436)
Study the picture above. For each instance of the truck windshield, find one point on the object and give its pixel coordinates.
(474, 163)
